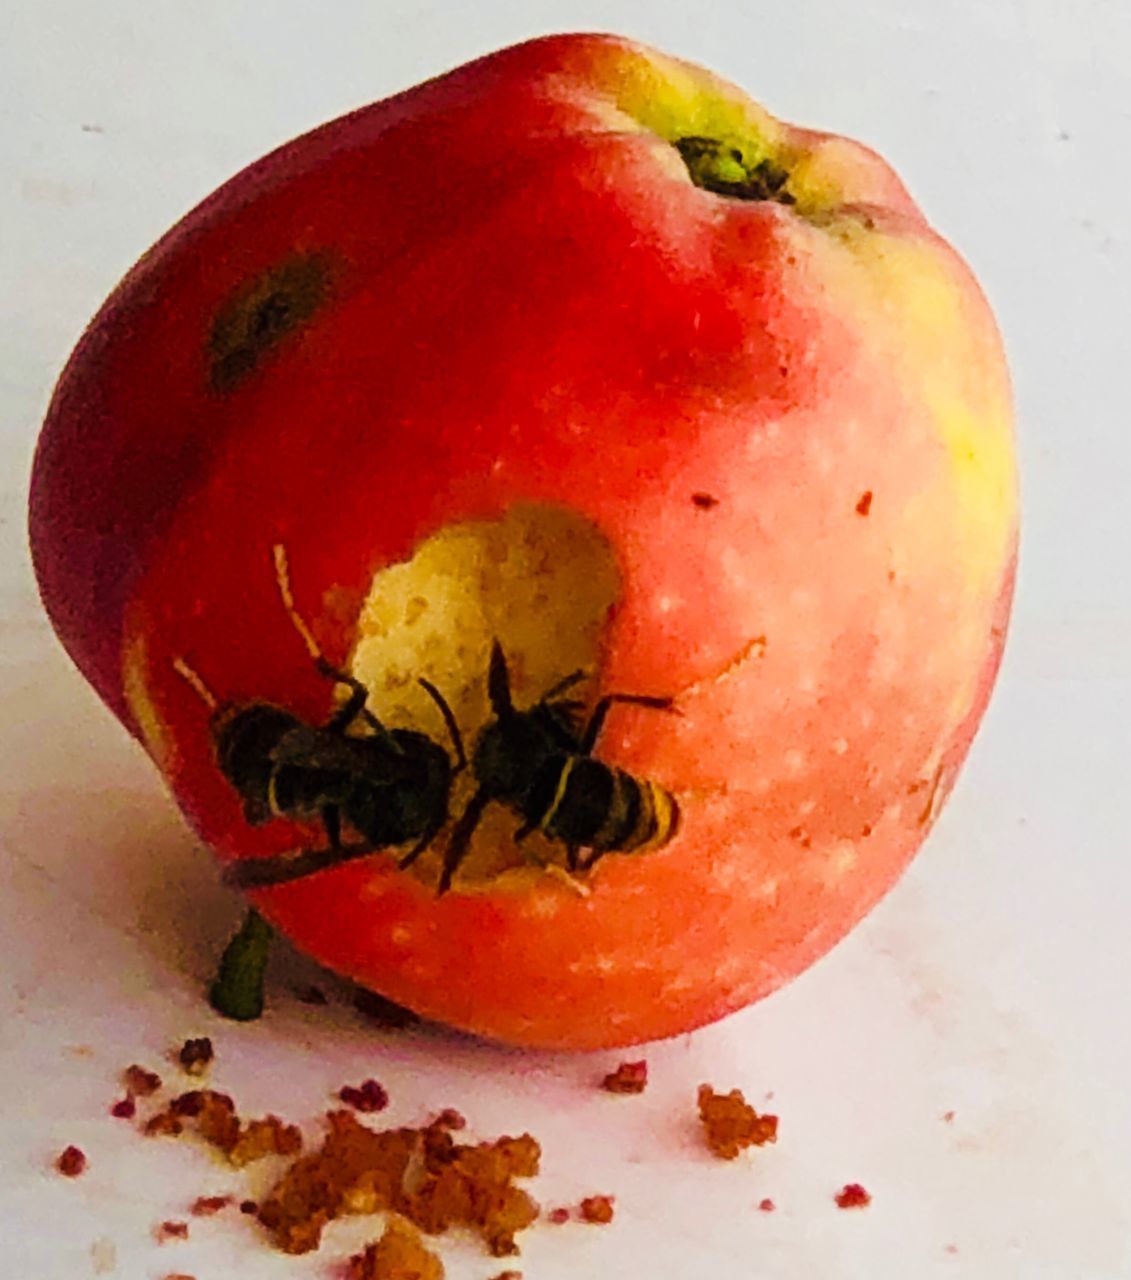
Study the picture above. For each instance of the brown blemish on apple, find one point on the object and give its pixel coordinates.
(864, 505)
(261, 314)
(704, 501)
(541, 580)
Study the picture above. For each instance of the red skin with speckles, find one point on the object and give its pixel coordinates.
(539, 307)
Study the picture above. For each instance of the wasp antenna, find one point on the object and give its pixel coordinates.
(182, 668)
(283, 579)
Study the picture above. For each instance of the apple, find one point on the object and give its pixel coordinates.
(579, 350)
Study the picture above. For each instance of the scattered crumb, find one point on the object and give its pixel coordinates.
(124, 1108)
(730, 1124)
(248, 1206)
(214, 1119)
(450, 1118)
(852, 1196)
(178, 1275)
(508, 1275)
(864, 505)
(629, 1077)
(369, 1096)
(163, 1124)
(597, 1209)
(266, 1137)
(558, 1216)
(400, 1254)
(139, 1082)
(950, 1248)
(767, 1205)
(92, 128)
(423, 1174)
(71, 1162)
(196, 1056)
(206, 1206)
(704, 501)
(948, 1116)
(385, 1013)
(171, 1230)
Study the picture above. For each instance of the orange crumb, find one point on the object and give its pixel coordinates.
(400, 1254)
(171, 1230)
(730, 1124)
(140, 1081)
(195, 1055)
(629, 1077)
(206, 1206)
(71, 1162)
(362, 1170)
(597, 1209)
(163, 1124)
(852, 1196)
(213, 1115)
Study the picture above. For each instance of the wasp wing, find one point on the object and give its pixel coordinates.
(372, 759)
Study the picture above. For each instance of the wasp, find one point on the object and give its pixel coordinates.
(539, 764)
(390, 786)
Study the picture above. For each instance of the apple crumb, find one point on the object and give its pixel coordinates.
(731, 1125)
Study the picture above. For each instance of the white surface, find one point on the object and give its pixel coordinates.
(992, 982)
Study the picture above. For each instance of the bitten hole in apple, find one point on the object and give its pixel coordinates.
(541, 580)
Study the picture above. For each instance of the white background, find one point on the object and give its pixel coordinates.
(991, 983)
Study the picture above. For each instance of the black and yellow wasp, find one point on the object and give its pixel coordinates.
(539, 763)
(391, 786)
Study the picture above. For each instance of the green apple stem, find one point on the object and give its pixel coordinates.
(237, 992)
(716, 166)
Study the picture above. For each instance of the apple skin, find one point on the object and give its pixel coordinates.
(791, 423)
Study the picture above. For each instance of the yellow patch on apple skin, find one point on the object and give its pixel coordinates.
(155, 735)
(914, 304)
(673, 99)
(676, 99)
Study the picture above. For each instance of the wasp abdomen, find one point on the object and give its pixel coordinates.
(244, 739)
(599, 807)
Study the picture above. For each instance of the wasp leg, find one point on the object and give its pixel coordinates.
(260, 873)
(237, 992)
(354, 706)
(422, 844)
(597, 720)
(461, 837)
(449, 719)
(567, 682)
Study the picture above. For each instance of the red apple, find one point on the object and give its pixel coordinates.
(579, 349)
